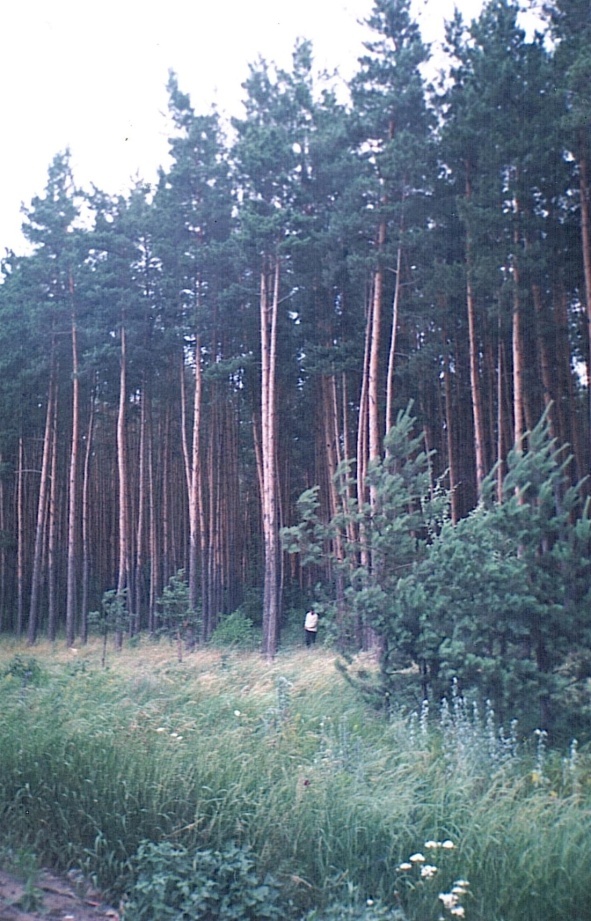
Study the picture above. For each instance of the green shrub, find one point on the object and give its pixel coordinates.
(25, 669)
(172, 881)
(235, 630)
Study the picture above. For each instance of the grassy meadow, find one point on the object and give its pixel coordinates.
(352, 815)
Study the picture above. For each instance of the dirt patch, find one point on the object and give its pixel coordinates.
(50, 898)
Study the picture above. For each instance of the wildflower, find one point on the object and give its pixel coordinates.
(431, 845)
(405, 866)
(417, 858)
(458, 910)
(536, 777)
(448, 845)
(428, 871)
(369, 902)
(236, 712)
(161, 729)
(448, 899)
(174, 735)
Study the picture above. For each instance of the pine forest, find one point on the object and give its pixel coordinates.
(334, 331)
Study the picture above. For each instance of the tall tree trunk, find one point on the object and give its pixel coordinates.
(375, 342)
(153, 538)
(72, 539)
(42, 503)
(362, 454)
(140, 543)
(475, 388)
(393, 338)
(545, 363)
(500, 416)
(86, 520)
(184, 425)
(449, 430)
(196, 510)
(20, 540)
(123, 541)
(269, 308)
(374, 391)
(518, 358)
(331, 448)
(52, 616)
(362, 424)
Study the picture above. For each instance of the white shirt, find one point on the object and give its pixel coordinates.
(311, 622)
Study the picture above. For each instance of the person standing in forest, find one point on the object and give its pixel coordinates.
(311, 627)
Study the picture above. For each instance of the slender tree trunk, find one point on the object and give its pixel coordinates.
(140, 544)
(393, 339)
(20, 540)
(123, 556)
(153, 539)
(166, 536)
(475, 388)
(518, 359)
(375, 341)
(500, 417)
(331, 447)
(362, 425)
(72, 540)
(52, 616)
(86, 521)
(545, 364)
(269, 308)
(184, 435)
(449, 431)
(42, 503)
(196, 530)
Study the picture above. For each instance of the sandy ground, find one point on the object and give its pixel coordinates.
(51, 899)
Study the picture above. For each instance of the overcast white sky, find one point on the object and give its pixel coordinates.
(92, 76)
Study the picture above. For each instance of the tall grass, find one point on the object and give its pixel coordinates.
(284, 758)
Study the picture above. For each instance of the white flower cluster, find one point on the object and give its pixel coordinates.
(446, 845)
(173, 735)
(418, 859)
(451, 901)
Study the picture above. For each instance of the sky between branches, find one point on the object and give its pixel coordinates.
(92, 77)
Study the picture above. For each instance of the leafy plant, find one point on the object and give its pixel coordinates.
(499, 602)
(234, 630)
(24, 669)
(177, 619)
(172, 881)
(381, 539)
(113, 617)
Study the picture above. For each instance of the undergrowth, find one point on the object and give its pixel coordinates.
(280, 765)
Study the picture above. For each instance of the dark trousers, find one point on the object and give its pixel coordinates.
(310, 637)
